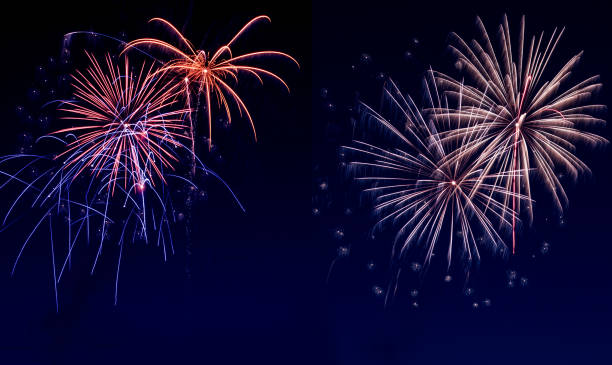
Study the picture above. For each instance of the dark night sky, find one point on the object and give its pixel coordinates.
(258, 292)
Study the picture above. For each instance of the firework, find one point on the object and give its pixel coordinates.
(426, 186)
(209, 75)
(126, 121)
(526, 121)
(115, 162)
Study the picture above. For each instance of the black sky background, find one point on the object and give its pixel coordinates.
(257, 293)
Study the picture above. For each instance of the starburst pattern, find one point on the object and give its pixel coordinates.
(209, 75)
(126, 123)
(527, 120)
(115, 162)
(427, 186)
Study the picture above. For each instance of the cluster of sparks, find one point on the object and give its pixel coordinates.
(126, 129)
(464, 164)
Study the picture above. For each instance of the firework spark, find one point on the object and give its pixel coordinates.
(427, 186)
(525, 122)
(209, 75)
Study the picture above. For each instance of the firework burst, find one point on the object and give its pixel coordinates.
(126, 122)
(209, 75)
(115, 162)
(526, 122)
(429, 187)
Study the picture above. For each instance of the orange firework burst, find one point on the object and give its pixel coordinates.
(207, 74)
(126, 124)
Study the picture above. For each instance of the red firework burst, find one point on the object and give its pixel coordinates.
(126, 123)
